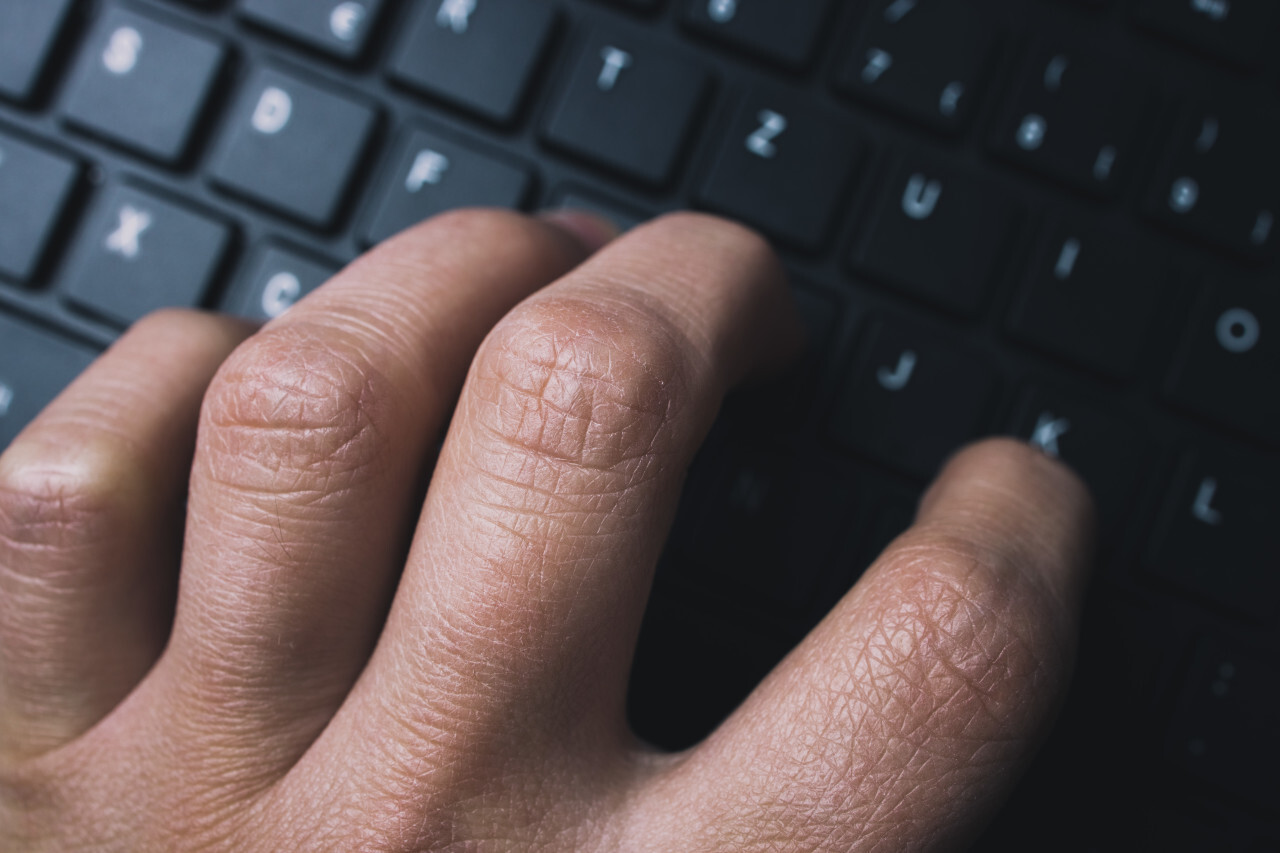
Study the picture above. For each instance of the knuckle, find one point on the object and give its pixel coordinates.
(584, 384)
(293, 411)
(968, 630)
(59, 502)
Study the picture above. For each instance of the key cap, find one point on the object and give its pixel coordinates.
(937, 234)
(783, 166)
(1106, 451)
(629, 106)
(922, 59)
(1089, 297)
(1218, 536)
(293, 146)
(35, 185)
(35, 365)
(1238, 31)
(1222, 185)
(1075, 120)
(277, 279)
(772, 527)
(1230, 357)
(448, 53)
(28, 31)
(913, 400)
(1224, 728)
(434, 174)
(339, 28)
(141, 252)
(143, 84)
(783, 31)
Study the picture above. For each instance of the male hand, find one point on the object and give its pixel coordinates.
(349, 668)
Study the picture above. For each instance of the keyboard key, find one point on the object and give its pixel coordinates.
(1238, 31)
(35, 365)
(340, 29)
(1075, 120)
(1089, 297)
(143, 84)
(923, 61)
(1224, 728)
(1230, 358)
(1107, 451)
(1218, 536)
(629, 106)
(293, 146)
(913, 400)
(937, 234)
(448, 52)
(28, 31)
(783, 166)
(35, 185)
(784, 31)
(772, 527)
(279, 278)
(434, 174)
(1222, 185)
(140, 252)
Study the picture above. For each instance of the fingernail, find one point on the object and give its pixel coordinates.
(594, 232)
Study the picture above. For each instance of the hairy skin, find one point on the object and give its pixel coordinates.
(348, 667)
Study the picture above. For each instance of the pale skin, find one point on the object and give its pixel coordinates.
(350, 667)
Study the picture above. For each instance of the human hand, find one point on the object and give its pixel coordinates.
(350, 669)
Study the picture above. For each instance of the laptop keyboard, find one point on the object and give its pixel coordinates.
(1043, 218)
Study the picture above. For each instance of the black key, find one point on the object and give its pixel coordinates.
(433, 174)
(913, 400)
(28, 31)
(143, 84)
(1230, 358)
(1075, 119)
(784, 31)
(1224, 729)
(140, 252)
(785, 167)
(34, 187)
(293, 146)
(278, 278)
(1089, 297)
(1222, 185)
(340, 29)
(1218, 536)
(772, 527)
(629, 106)
(937, 234)
(1239, 31)
(1108, 452)
(922, 59)
(35, 366)
(448, 52)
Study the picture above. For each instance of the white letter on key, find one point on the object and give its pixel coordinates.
(282, 290)
(428, 168)
(273, 111)
(125, 240)
(614, 61)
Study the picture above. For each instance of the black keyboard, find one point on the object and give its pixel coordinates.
(1043, 218)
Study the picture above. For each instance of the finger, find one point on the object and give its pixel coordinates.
(514, 626)
(91, 501)
(902, 720)
(313, 440)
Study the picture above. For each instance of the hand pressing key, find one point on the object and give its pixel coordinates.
(350, 668)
